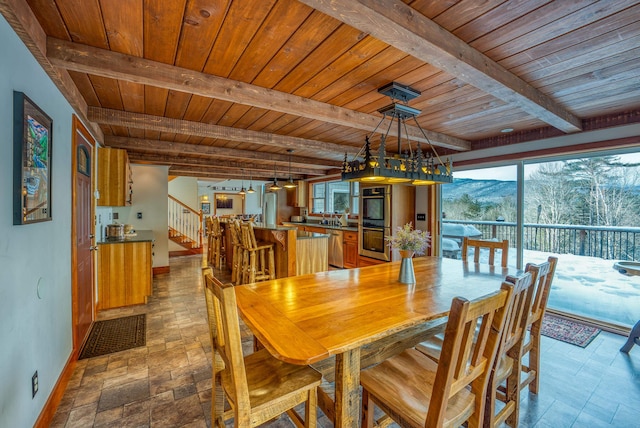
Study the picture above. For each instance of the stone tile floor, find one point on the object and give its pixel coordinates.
(167, 383)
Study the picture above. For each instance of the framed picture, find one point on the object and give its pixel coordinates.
(206, 208)
(226, 203)
(32, 141)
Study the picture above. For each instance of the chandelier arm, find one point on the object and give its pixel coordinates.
(433, 149)
(372, 132)
(406, 131)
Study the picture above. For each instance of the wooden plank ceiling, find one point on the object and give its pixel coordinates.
(215, 87)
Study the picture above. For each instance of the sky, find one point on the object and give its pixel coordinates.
(508, 173)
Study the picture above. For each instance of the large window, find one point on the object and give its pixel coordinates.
(480, 204)
(335, 197)
(583, 210)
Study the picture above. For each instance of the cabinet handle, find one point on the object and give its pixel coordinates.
(93, 248)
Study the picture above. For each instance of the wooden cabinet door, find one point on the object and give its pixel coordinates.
(350, 249)
(124, 274)
(114, 178)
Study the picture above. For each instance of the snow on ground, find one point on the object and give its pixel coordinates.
(589, 286)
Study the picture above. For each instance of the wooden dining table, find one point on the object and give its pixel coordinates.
(309, 318)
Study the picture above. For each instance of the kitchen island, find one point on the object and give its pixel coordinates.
(285, 240)
(311, 252)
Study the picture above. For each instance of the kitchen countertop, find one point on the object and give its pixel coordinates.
(138, 236)
(326, 226)
(310, 235)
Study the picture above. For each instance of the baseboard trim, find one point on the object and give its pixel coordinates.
(50, 407)
(160, 269)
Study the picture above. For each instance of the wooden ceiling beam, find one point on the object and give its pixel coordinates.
(114, 65)
(157, 146)
(207, 173)
(402, 27)
(249, 168)
(186, 127)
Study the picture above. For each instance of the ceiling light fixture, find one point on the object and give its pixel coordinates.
(274, 187)
(242, 191)
(410, 167)
(250, 189)
(290, 184)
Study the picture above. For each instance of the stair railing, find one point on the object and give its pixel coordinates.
(186, 221)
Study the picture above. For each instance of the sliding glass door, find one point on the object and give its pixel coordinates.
(585, 211)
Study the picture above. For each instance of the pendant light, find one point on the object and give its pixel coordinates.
(290, 184)
(274, 187)
(250, 189)
(242, 191)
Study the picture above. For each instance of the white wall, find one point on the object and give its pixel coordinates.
(150, 192)
(186, 190)
(35, 259)
(252, 201)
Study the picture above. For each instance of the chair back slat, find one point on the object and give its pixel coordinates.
(491, 245)
(228, 341)
(517, 316)
(546, 272)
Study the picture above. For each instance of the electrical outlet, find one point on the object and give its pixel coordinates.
(34, 384)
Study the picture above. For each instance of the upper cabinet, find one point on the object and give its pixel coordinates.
(297, 197)
(114, 178)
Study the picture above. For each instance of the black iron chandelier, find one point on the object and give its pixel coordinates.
(410, 167)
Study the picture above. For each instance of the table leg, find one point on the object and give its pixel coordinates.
(347, 381)
(634, 336)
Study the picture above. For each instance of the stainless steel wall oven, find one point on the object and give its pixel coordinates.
(375, 221)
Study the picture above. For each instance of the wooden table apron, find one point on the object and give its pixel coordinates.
(305, 319)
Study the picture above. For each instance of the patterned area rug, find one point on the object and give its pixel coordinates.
(115, 335)
(568, 331)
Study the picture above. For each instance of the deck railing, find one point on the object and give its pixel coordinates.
(606, 242)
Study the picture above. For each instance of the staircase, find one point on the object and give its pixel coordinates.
(185, 227)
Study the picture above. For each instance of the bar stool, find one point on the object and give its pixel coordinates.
(237, 251)
(208, 230)
(258, 260)
(217, 244)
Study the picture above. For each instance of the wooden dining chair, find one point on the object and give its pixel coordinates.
(217, 364)
(257, 387)
(505, 376)
(507, 364)
(492, 246)
(531, 346)
(415, 391)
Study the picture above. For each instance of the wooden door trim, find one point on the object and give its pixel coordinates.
(78, 126)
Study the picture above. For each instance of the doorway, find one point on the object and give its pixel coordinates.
(82, 234)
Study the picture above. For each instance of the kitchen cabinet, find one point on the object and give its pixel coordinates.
(124, 273)
(297, 197)
(114, 178)
(350, 249)
(368, 261)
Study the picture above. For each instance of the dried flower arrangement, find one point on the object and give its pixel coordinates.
(408, 238)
